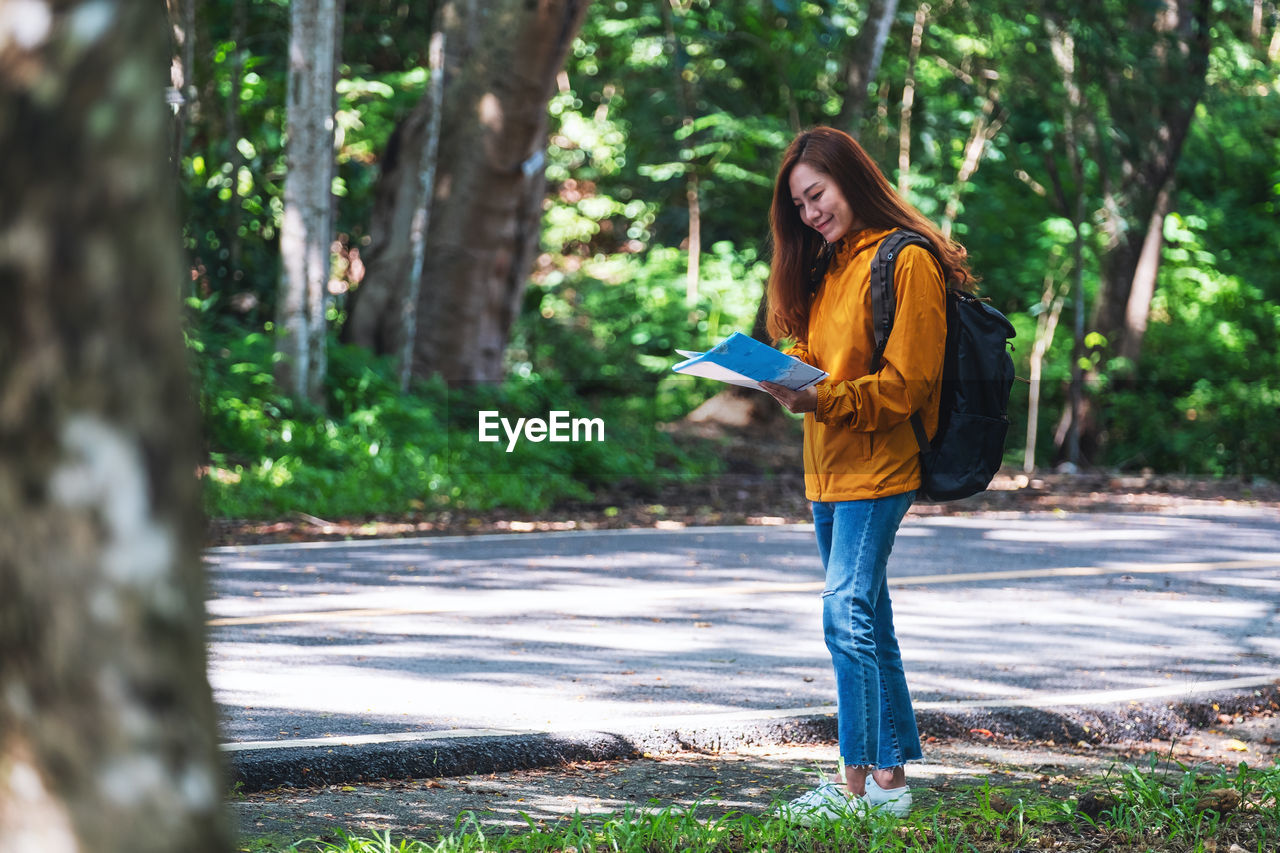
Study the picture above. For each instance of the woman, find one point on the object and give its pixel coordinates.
(862, 465)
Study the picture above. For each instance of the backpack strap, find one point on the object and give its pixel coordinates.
(883, 304)
(922, 438)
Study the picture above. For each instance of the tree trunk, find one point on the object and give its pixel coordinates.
(306, 229)
(985, 128)
(236, 204)
(909, 99)
(182, 28)
(693, 270)
(692, 194)
(375, 318)
(1153, 121)
(862, 63)
(1150, 163)
(1136, 155)
(1046, 325)
(376, 309)
(107, 722)
(422, 216)
(501, 61)
(1071, 202)
(1138, 309)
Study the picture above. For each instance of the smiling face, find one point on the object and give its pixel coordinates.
(820, 203)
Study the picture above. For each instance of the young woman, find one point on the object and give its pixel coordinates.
(861, 458)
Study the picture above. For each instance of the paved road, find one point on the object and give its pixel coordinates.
(565, 631)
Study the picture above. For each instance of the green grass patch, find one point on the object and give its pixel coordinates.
(1157, 808)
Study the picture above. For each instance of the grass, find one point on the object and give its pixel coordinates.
(1161, 808)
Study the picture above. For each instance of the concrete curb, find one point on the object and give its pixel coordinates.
(438, 755)
(260, 770)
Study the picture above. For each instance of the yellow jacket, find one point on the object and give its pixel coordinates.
(859, 443)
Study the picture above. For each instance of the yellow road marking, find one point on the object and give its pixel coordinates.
(1087, 571)
(318, 616)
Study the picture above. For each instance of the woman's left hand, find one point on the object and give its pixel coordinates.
(797, 402)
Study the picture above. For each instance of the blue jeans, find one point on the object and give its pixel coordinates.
(876, 724)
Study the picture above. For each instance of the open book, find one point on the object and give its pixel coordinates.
(742, 360)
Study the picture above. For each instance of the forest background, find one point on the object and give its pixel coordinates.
(529, 206)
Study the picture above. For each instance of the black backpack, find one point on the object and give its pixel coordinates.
(977, 377)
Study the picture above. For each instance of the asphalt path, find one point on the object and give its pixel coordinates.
(546, 632)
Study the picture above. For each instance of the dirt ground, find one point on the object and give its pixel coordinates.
(747, 780)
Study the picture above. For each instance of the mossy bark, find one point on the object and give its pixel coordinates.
(107, 724)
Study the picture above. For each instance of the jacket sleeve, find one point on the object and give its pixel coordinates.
(912, 365)
(800, 350)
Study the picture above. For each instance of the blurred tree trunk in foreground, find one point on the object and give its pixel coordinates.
(107, 725)
(500, 64)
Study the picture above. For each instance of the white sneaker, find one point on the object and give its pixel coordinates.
(894, 801)
(828, 801)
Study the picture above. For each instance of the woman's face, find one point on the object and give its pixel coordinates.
(820, 203)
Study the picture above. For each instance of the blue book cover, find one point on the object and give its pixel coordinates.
(742, 360)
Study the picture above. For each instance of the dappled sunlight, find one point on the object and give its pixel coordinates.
(508, 701)
(564, 632)
(1265, 586)
(963, 544)
(555, 663)
(1024, 640)
(534, 570)
(933, 684)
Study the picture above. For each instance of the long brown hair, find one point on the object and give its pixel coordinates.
(796, 246)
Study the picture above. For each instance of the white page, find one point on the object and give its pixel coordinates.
(711, 370)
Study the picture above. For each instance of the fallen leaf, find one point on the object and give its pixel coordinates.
(1220, 800)
(1237, 745)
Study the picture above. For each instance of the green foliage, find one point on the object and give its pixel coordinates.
(233, 162)
(375, 450)
(659, 97)
(616, 321)
(708, 90)
(1206, 397)
(233, 167)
